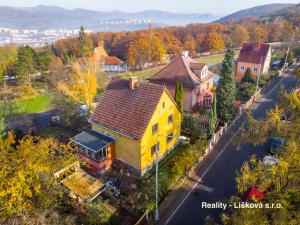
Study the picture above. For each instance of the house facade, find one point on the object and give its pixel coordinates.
(131, 121)
(108, 63)
(195, 77)
(256, 56)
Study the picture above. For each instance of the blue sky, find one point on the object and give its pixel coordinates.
(218, 7)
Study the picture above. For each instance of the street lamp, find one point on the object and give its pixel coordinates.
(258, 75)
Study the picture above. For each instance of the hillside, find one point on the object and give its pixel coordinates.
(257, 11)
(291, 14)
(44, 17)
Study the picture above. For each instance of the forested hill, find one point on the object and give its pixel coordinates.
(257, 11)
(291, 14)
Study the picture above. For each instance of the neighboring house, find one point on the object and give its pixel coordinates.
(256, 56)
(195, 77)
(108, 63)
(131, 120)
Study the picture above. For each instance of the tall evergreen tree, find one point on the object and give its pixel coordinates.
(43, 59)
(212, 118)
(25, 64)
(247, 78)
(226, 89)
(179, 96)
(85, 44)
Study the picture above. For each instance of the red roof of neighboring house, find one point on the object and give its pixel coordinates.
(183, 70)
(254, 53)
(125, 110)
(112, 60)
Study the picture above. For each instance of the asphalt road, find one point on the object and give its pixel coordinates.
(215, 176)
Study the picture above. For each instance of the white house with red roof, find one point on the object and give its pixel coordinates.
(108, 63)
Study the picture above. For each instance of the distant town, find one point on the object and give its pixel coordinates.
(39, 37)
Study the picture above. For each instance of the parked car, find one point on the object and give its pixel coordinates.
(254, 194)
(276, 145)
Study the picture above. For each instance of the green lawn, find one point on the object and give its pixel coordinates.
(143, 74)
(213, 59)
(39, 103)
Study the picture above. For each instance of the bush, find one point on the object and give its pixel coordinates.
(297, 71)
(246, 90)
(98, 213)
(247, 78)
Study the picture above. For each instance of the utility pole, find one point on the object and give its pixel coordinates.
(258, 75)
(156, 213)
(288, 51)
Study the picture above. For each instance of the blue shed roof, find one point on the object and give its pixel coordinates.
(92, 140)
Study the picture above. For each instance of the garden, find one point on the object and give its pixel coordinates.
(138, 193)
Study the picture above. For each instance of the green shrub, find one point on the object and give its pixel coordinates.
(246, 90)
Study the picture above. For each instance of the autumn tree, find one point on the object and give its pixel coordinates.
(190, 44)
(288, 31)
(258, 33)
(28, 185)
(58, 72)
(85, 44)
(158, 51)
(179, 96)
(226, 88)
(239, 35)
(8, 58)
(82, 85)
(139, 52)
(215, 42)
(26, 64)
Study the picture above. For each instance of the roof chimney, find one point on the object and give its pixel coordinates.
(185, 54)
(133, 82)
(256, 46)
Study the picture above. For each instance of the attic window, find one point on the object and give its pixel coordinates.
(164, 105)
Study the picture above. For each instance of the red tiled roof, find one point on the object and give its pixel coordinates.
(127, 111)
(112, 60)
(183, 70)
(253, 53)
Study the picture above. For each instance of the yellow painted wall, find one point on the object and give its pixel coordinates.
(138, 153)
(126, 149)
(160, 116)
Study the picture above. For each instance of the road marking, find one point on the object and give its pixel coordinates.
(219, 154)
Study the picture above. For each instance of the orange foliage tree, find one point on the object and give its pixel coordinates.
(215, 42)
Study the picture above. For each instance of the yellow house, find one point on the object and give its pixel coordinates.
(139, 118)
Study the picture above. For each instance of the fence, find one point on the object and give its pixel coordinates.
(143, 220)
(216, 136)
